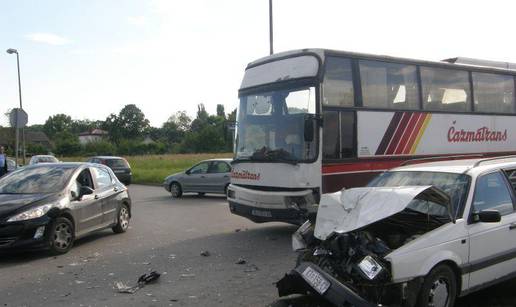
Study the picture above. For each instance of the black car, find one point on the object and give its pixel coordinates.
(50, 205)
(119, 165)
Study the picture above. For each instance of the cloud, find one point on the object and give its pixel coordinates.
(136, 20)
(47, 38)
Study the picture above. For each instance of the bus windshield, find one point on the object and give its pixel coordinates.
(271, 125)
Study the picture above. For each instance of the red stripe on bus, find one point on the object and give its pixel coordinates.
(360, 166)
(406, 135)
(413, 136)
(397, 135)
(388, 133)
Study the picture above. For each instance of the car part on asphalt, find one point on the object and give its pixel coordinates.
(142, 281)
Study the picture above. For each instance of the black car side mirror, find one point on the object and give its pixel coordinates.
(489, 216)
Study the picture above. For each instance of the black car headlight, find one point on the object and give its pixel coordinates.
(31, 213)
(370, 267)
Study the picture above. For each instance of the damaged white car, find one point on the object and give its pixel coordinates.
(419, 235)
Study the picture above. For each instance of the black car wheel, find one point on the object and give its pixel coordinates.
(123, 220)
(175, 190)
(61, 236)
(439, 288)
(201, 194)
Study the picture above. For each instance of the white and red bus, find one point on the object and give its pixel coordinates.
(314, 121)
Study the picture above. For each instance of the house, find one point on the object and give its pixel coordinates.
(93, 135)
(8, 135)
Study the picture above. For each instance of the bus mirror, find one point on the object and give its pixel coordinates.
(309, 129)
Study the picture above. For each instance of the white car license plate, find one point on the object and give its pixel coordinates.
(261, 213)
(316, 280)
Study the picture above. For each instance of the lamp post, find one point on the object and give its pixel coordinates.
(270, 27)
(11, 51)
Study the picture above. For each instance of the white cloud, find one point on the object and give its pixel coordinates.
(47, 38)
(136, 20)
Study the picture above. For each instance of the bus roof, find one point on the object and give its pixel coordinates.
(457, 62)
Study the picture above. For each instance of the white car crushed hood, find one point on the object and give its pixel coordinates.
(355, 208)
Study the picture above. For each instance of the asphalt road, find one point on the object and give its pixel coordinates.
(168, 235)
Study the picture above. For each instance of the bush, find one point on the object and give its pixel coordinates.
(36, 149)
(99, 148)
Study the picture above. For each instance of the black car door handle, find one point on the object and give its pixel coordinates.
(115, 189)
(512, 226)
(202, 177)
(96, 197)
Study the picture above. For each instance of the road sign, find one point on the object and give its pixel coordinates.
(18, 118)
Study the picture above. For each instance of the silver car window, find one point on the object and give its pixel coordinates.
(201, 168)
(103, 178)
(219, 167)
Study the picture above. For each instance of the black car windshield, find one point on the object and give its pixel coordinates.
(455, 185)
(270, 126)
(36, 180)
(116, 163)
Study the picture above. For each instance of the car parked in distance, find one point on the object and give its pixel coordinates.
(209, 176)
(119, 165)
(418, 235)
(43, 159)
(49, 206)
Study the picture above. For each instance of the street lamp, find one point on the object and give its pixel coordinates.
(11, 51)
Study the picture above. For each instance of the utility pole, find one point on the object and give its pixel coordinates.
(270, 28)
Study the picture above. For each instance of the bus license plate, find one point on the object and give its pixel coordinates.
(261, 213)
(316, 280)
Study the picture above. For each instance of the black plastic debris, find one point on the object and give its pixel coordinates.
(142, 281)
(241, 261)
(205, 253)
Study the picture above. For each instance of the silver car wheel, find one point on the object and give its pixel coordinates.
(123, 218)
(175, 189)
(62, 236)
(439, 295)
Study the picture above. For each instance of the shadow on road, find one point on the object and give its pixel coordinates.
(15, 257)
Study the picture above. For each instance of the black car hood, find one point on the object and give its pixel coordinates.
(12, 202)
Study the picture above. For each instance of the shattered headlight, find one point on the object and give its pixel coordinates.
(370, 267)
(298, 238)
(31, 213)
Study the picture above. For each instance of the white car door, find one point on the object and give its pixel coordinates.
(492, 245)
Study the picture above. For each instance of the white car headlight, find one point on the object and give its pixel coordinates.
(370, 267)
(31, 213)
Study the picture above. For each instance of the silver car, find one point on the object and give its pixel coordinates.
(209, 176)
(49, 205)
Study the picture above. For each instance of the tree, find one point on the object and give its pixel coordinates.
(220, 111)
(67, 144)
(57, 124)
(130, 123)
(182, 121)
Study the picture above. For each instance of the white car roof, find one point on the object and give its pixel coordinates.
(470, 166)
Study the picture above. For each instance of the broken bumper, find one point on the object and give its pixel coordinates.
(337, 293)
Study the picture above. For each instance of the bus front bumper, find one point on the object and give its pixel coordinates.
(292, 207)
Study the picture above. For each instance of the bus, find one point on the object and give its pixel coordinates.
(315, 121)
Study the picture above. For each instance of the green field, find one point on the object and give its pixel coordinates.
(152, 169)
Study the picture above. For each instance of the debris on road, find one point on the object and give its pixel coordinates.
(241, 260)
(142, 281)
(237, 230)
(205, 253)
(251, 268)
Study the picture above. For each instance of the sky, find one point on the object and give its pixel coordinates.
(89, 58)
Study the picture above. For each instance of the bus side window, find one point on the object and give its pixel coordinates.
(445, 89)
(331, 130)
(347, 134)
(338, 135)
(338, 83)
